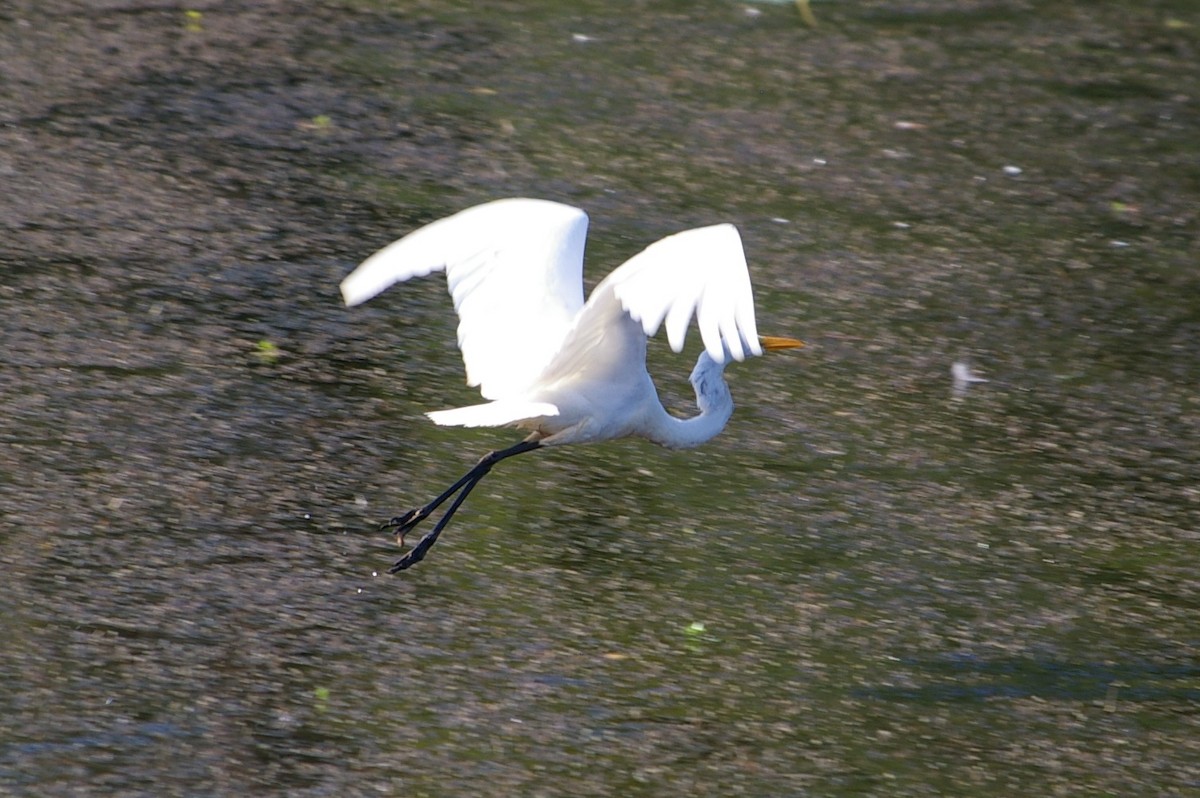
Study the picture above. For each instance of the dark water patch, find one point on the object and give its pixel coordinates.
(974, 678)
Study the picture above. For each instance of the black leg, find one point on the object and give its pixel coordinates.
(403, 524)
(417, 552)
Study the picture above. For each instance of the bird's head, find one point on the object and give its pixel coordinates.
(706, 376)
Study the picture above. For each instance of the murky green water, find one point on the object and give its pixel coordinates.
(868, 585)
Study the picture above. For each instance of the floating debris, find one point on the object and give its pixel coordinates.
(963, 377)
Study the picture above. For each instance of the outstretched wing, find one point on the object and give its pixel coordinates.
(515, 272)
(699, 272)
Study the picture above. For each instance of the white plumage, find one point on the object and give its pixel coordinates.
(565, 370)
(515, 272)
(530, 343)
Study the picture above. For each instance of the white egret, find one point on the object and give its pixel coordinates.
(549, 363)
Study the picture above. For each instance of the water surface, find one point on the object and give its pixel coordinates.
(866, 585)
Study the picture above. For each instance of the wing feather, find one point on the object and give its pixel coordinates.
(699, 273)
(514, 268)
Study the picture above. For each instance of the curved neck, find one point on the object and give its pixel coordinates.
(714, 402)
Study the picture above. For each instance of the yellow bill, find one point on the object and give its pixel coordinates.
(770, 342)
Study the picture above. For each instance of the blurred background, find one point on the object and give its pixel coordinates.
(875, 582)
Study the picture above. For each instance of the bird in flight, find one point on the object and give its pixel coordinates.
(562, 369)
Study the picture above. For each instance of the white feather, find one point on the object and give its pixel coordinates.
(492, 414)
(701, 272)
(515, 271)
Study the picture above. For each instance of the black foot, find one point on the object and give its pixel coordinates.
(415, 554)
(401, 525)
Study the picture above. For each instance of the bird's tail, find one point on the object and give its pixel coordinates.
(492, 414)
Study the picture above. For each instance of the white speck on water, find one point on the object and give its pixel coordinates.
(963, 377)
(1012, 170)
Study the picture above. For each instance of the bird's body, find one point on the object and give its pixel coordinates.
(565, 370)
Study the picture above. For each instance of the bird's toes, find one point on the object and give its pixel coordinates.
(403, 523)
(412, 557)
(416, 553)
